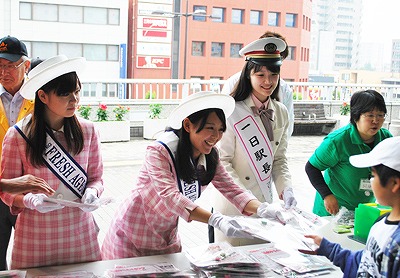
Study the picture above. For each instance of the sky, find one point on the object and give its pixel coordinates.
(381, 22)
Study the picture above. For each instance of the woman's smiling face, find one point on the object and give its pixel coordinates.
(204, 140)
(263, 82)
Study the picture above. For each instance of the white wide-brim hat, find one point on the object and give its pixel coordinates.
(387, 152)
(48, 70)
(200, 101)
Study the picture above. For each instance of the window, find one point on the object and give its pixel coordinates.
(70, 49)
(95, 52)
(217, 49)
(72, 14)
(44, 49)
(291, 53)
(112, 53)
(199, 8)
(255, 17)
(291, 20)
(68, 13)
(273, 19)
(113, 16)
(235, 47)
(198, 48)
(218, 14)
(25, 11)
(237, 16)
(45, 12)
(92, 52)
(95, 15)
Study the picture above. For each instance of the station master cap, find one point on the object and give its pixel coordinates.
(264, 52)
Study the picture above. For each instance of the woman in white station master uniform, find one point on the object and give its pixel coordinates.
(253, 149)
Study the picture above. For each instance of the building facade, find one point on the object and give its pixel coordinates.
(158, 39)
(94, 29)
(201, 39)
(336, 30)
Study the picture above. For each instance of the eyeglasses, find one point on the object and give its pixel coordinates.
(378, 117)
(11, 67)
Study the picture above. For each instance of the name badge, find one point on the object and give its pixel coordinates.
(365, 184)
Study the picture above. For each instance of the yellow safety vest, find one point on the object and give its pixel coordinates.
(26, 108)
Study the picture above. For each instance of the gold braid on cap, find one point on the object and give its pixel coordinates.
(262, 55)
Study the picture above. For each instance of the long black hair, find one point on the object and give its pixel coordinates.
(36, 127)
(184, 165)
(243, 87)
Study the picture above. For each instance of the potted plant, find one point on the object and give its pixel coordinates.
(344, 115)
(110, 130)
(85, 111)
(154, 125)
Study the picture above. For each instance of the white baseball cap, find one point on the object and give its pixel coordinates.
(387, 152)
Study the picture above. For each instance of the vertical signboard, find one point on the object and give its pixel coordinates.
(154, 34)
(122, 70)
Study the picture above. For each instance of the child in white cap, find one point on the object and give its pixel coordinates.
(381, 256)
(176, 169)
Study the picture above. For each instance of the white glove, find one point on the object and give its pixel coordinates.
(90, 198)
(35, 201)
(266, 210)
(276, 211)
(227, 225)
(288, 198)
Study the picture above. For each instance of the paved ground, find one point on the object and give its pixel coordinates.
(122, 162)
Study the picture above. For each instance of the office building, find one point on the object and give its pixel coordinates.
(162, 30)
(336, 29)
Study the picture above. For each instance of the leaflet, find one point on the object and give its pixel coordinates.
(77, 204)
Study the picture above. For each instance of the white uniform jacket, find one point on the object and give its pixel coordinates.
(235, 161)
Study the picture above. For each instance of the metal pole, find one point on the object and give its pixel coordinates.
(186, 39)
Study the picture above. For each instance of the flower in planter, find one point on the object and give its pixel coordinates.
(155, 110)
(120, 112)
(85, 111)
(102, 113)
(345, 109)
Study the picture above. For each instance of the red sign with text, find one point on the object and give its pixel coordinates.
(157, 34)
(153, 62)
(155, 23)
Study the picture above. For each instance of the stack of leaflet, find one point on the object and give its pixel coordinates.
(147, 270)
(286, 232)
(291, 264)
(222, 260)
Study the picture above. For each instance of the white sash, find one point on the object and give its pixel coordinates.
(256, 145)
(191, 191)
(62, 164)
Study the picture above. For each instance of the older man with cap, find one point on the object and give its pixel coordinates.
(14, 64)
(253, 149)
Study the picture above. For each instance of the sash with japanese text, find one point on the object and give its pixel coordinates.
(256, 145)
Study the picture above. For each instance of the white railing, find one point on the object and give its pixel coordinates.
(165, 90)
